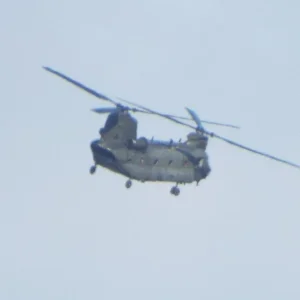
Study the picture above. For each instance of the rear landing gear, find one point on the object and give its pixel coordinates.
(93, 169)
(175, 190)
(128, 184)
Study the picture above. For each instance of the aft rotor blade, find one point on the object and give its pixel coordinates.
(195, 118)
(253, 150)
(220, 137)
(174, 117)
(159, 114)
(220, 124)
(204, 121)
(81, 86)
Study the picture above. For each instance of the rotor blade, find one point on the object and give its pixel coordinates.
(81, 86)
(204, 121)
(220, 137)
(104, 110)
(159, 114)
(220, 124)
(103, 97)
(253, 150)
(113, 109)
(173, 117)
(195, 118)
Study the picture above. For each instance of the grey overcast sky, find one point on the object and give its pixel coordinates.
(68, 235)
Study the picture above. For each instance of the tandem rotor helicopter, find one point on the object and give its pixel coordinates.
(120, 150)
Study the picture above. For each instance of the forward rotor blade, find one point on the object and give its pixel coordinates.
(81, 86)
(104, 110)
(253, 150)
(173, 117)
(103, 97)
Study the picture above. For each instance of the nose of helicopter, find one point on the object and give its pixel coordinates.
(101, 155)
(94, 145)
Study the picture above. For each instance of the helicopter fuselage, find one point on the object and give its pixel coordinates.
(150, 160)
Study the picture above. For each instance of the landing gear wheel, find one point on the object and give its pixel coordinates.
(128, 184)
(175, 191)
(92, 169)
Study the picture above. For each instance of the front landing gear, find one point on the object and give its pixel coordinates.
(93, 169)
(175, 190)
(128, 184)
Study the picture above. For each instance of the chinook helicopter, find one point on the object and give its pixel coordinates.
(120, 150)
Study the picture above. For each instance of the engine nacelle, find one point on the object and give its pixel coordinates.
(141, 144)
(197, 140)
